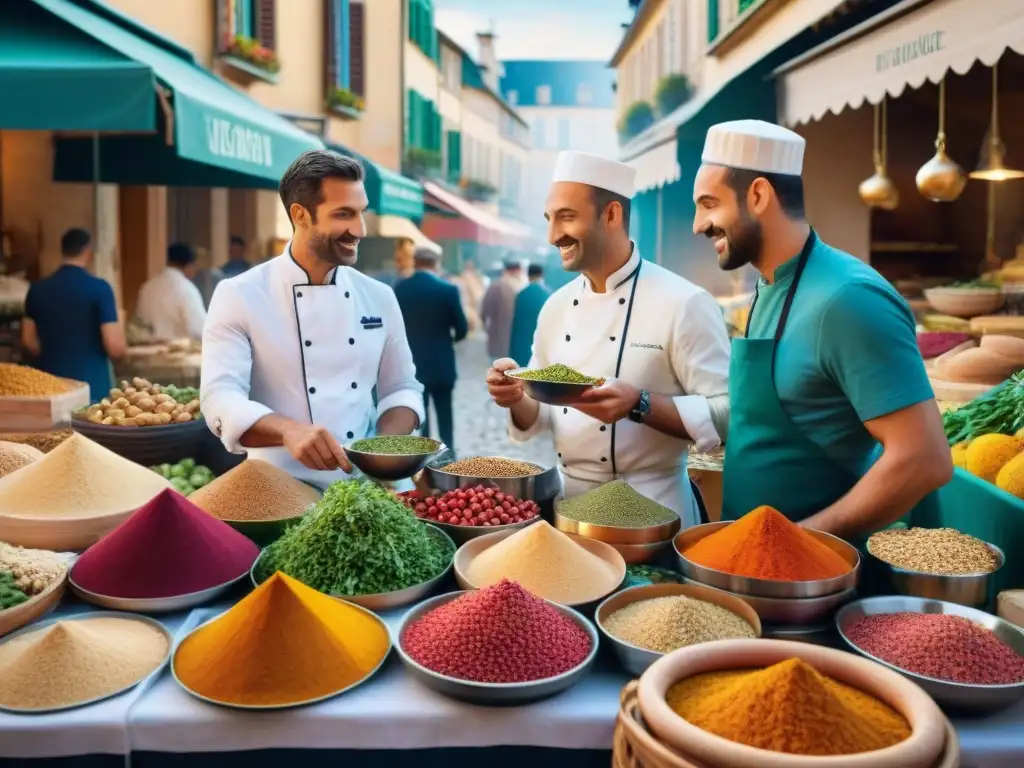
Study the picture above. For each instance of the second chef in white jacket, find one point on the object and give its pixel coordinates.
(293, 348)
(659, 340)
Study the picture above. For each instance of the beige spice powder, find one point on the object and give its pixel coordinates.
(14, 456)
(255, 490)
(663, 624)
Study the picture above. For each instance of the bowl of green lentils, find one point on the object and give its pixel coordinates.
(392, 457)
(556, 384)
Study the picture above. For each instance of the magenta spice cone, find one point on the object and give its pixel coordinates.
(169, 547)
(500, 634)
(939, 645)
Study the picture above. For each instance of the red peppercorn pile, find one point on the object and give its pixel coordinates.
(939, 645)
(476, 506)
(501, 634)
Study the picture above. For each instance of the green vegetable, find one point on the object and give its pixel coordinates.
(197, 480)
(163, 469)
(10, 595)
(188, 464)
(183, 395)
(999, 411)
(358, 540)
(558, 374)
(396, 445)
(186, 476)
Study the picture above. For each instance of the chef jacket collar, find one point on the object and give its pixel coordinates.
(621, 276)
(783, 273)
(296, 274)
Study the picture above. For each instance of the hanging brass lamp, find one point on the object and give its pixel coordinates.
(941, 180)
(879, 191)
(992, 166)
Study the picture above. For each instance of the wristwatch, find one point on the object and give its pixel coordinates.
(642, 408)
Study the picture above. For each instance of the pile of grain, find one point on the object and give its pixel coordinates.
(77, 660)
(491, 466)
(22, 381)
(547, 563)
(663, 624)
(255, 490)
(33, 569)
(933, 550)
(616, 504)
(78, 479)
(14, 456)
(43, 441)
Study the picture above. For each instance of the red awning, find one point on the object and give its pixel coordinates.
(470, 223)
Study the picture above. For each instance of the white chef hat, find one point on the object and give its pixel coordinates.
(755, 145)
(596, 171)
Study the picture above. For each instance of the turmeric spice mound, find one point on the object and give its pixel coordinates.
(787, 707)
(763, 544)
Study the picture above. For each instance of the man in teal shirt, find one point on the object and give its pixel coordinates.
(833, 418)
(529, 302)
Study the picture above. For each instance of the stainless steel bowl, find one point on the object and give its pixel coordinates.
(154, 604)
(635, 554)
(966, 589)
(550, 392)
(460, 534)
(543, 486)
(791, 611)
(618, 534)
(959, 696)
(494, 694)
(743, 585)
(815, 634)
(390, 466)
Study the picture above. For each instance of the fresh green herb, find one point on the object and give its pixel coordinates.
(999, 411)
(396, 445)
(559, 374)
(358, 540)
(10, 595)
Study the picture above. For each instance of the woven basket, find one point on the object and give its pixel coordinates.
(634, 746)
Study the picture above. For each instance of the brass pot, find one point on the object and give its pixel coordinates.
(941, 179)
(879, 191)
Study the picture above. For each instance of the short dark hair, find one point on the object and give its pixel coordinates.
(788, 188)
(237, 240)
(74, 242)
(603, 198)
(303, 182)
(535, 270)
(180, 255)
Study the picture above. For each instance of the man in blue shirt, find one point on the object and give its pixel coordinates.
(70, 325)
(236, 263)
(529, 302)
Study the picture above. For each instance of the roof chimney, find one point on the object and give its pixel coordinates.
(490, 66)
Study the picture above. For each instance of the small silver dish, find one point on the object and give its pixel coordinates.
(543, 486)
(661, 533)
(970, 589)
(494, 694)
(768, 588)
(550, 392)
(957, 696)
(391, 466)
(154, 604)
(792, 612)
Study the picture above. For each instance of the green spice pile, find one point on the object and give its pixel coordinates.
(10, 595)
(559, 374)
(491, 466)
(663, 624)
(615, 504)
(933, 550)
(396, 445)
(358, 540)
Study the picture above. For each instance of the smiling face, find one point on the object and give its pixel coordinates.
(335, 227)
(726, 219)
(576, 227)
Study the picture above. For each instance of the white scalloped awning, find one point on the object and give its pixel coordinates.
(657, 166)
(896, 49)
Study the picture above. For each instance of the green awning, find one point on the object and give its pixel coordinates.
(213, 124)
(55, 77)
(390, 193)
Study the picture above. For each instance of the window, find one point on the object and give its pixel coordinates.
(583, 94)
(451, 69)
(251, 20)
(544, 95)
(539, 132)
(512, 97)
(421, 27)
(344, 72)
(564, 133)
(551, 129)
(244, 18)
(454, 146)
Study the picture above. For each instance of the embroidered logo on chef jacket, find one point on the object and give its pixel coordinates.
(369, 323)
(638, 345)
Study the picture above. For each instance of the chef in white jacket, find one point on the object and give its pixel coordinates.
(659, 340)
(293, 348)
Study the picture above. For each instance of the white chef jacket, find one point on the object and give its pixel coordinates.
(172, 306)
(672, 341)
(274, 343)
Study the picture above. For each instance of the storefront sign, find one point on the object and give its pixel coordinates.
(227, 139)
(919, 47)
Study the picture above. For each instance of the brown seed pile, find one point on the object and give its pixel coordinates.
(22, 381)
(14, 456)
(33, 569)
(933, 550)
(491, 466)
(78, 479)
(255, 490)
(77, 660)
(43, 441)
(663, 624)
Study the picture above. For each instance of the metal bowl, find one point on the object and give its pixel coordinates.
(635, 659)
(293, 704)
(816, 634)
(494, 694)
(384, 601)
(743, 585)
(460, 534)
(154, 604)
(91, 615)
(618, 534)
(966, 589)
(792, 612)
(635, 554)
(474, 547)
(550, 392)
(959, 696)
(540, 487)
(165, 444)
(390, 466)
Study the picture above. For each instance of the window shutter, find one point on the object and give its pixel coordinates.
(357, 33)
(330, 47)
(266, 26)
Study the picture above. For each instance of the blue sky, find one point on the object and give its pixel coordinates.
(537, 29)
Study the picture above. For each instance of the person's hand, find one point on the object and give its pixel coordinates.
(315, 447)
(504, 391)
(608, 403)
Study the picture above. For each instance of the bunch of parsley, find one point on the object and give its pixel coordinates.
(358, 540)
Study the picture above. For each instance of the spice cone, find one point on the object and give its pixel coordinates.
(14, 456)
(255, 490)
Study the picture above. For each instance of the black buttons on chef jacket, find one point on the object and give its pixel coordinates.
(312, 390)
(565, 410)
(604, 427)
(309, 343)
(622, 301)
(349, 435)
(612, 338)
(354, 385)
(603, 458)
(575, 302)
(567, 337)
(559, 455)
(346, 294)
(351, 341)
(299, 294)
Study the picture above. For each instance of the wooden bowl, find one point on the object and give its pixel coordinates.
(71, 534)
(34, 608)
(965, 302)
(921, 750)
